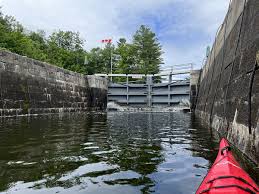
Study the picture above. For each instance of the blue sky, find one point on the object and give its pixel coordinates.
(184, 27)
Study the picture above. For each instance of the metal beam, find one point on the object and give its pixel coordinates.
(143, 75)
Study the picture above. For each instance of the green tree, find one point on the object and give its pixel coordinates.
(127, 58)
(62, 48)
(65, 49)
(67, 40)
(15, 39)
(147, 51)
(94, 61)
(39, 38)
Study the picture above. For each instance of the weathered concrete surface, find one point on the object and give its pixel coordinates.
(228, 99)
(194, 88)
(29, 86)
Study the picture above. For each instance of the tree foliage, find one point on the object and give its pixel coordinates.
(147, 50)
(66, 49)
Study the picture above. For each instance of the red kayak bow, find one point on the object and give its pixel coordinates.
(226, 176)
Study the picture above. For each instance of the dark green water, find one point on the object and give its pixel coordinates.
(109, 153)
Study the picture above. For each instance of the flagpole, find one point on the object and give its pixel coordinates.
(109, 41)
(111, 63)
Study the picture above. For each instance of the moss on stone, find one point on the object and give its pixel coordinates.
(26, 105)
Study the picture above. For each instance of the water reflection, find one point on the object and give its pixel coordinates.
(104, 153)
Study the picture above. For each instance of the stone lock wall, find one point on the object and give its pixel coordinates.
(29, 86)
(194, 88)
(228, 99)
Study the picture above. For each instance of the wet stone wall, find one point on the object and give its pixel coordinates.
(228, 99)
(29, 86)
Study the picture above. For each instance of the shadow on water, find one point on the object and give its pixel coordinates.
(104, 153)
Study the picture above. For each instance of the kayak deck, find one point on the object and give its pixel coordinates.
(226, 176)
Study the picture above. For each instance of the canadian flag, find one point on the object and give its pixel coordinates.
(106, 40)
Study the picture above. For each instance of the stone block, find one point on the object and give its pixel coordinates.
(29, 86)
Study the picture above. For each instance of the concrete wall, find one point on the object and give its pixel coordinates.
(228, 99)
(194, 88)
(29, 86)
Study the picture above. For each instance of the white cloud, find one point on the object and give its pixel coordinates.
(199, 24)
(98, 19)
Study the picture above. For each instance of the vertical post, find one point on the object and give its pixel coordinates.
(151, 89)
(147, 90)
(149, 97)
(111, 64)
(127, 89)
(169, 89)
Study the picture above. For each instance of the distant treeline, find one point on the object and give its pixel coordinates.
(66, 49)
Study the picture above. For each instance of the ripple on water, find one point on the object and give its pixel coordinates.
(91, 148)
(87, 169)
(99, 153)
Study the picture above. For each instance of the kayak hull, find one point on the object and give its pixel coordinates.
(226, 176)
